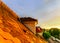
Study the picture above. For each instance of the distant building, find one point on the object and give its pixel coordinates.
(38, 29)
(30, 23)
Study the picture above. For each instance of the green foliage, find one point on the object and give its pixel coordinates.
(54, 32)
(46, 35)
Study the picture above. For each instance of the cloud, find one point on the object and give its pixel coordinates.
(53, 20)
(49, 1)
(48, 10)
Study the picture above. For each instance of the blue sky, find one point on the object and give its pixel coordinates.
(43, 10)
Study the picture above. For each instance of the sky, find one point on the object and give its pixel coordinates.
(46, 11)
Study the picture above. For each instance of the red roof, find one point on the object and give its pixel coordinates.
(38, 29)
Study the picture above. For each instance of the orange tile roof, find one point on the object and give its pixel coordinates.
(11, 30)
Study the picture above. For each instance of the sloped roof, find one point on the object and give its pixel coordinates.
(5, 7)
(11, 30)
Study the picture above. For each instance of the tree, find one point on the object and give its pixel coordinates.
(46, 35)
(54, 32)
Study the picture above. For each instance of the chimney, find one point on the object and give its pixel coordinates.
(30, 23)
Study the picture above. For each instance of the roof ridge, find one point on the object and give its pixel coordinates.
(8, 9)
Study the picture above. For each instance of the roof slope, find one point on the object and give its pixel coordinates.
(13, 31)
